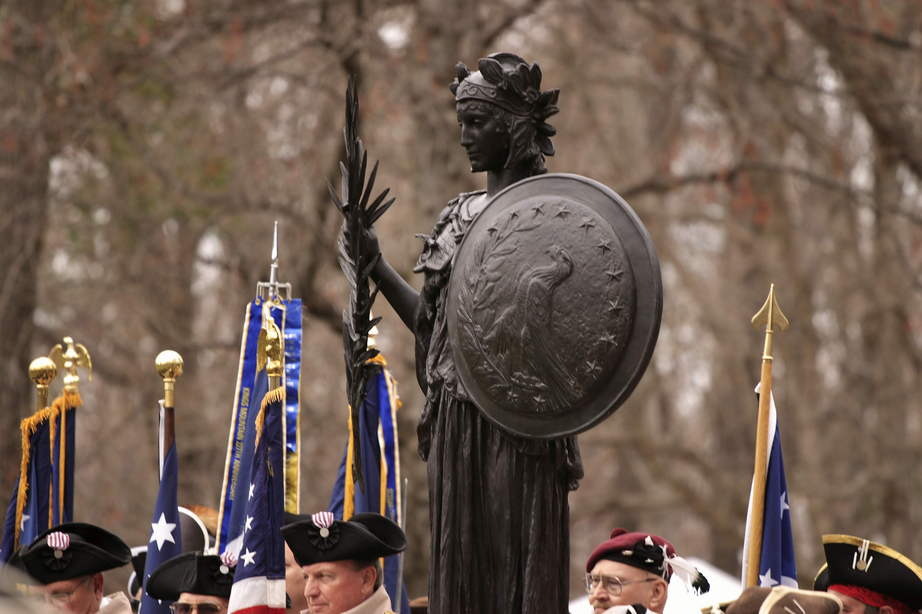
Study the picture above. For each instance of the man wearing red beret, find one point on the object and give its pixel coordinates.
(632, 568)
(869, 577)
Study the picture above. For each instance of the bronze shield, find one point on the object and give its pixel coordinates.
(554, 306)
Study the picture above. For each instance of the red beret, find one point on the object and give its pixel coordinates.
(643, 550)
(649, 552)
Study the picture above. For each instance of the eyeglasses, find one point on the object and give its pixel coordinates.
(612, 586)
(63, 597)
(201, 608)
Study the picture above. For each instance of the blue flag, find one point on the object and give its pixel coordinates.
(29, 510)
(252, 385)
(43, 495)
(777, 563)
(8, 540)
(376, 433)
(166, 531)
(259, 579)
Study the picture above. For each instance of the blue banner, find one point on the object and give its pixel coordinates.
(291, 329)
(252, 385)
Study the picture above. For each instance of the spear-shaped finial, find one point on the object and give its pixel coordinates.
(274, 290)
(42, 371)
(767, 318)
(274, 264)
(68, 356)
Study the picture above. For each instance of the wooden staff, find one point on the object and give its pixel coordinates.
(768, 317)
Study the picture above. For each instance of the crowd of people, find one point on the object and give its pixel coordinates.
(334, 567)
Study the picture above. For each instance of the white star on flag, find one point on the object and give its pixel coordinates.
(162, 531)
(252, 488)
(784, 503)
(22, 525)
(248, 558)
(767, 579)
(249, 524)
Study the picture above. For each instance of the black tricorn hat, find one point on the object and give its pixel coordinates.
(856, 562)
(191, 572)
(71, 550)
(364, 537)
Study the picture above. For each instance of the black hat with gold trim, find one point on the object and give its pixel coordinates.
(871, 573)
(71, 550)
(364, 537)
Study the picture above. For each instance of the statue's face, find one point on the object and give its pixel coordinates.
(484, 135)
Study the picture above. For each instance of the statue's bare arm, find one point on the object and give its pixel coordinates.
(402, 296)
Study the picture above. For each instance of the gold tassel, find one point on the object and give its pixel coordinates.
(276, 395)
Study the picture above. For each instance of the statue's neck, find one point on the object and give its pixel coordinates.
(500, 179)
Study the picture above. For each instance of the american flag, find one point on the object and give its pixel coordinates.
(259, 581)
(165, 530)
(777, 562)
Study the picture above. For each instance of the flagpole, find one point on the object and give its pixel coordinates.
(169, 365)
(768, 317)
(68, 356)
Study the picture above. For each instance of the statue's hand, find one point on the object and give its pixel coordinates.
(370, 241)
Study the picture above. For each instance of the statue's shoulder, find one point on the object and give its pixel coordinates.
(451, 209)
(439, 245)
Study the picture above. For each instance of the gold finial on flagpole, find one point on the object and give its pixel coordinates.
(169, 365)
(768, 318)
(68, 356)
(42, 371)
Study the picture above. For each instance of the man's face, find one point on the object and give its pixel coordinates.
(850, 605)
(637, 586)
(334, 587)
(294, 583)
(201, 604)
(75, 596)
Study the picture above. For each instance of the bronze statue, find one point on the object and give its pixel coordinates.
(539, 312)
(497, 501)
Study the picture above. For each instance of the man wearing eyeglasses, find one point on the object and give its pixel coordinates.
(68, 561)
(193, 582)
(632, 568)
(339, 561)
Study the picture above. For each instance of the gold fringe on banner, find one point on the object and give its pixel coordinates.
(27, 428)
(276, 395)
